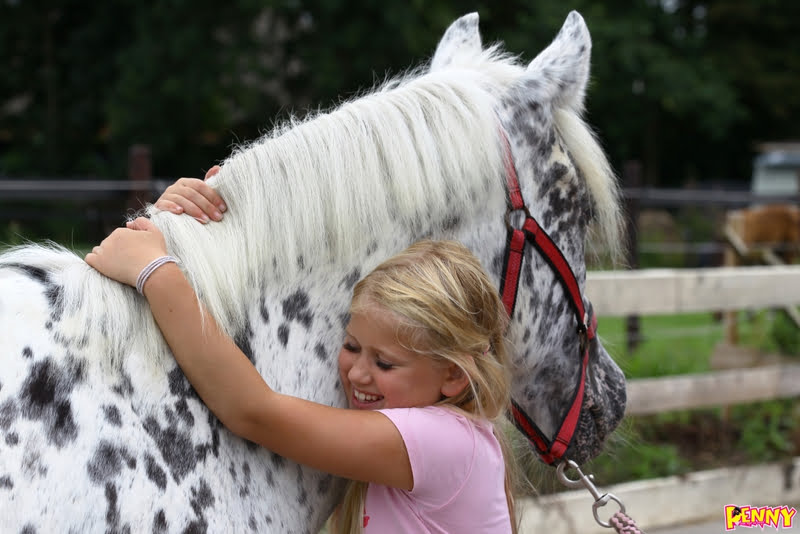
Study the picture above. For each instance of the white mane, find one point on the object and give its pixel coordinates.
(600, 179)
(320, 191)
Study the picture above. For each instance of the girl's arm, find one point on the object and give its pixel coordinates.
(355, 444)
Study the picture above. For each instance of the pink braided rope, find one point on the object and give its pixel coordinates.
(624, 524)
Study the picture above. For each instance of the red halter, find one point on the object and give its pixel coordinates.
(550, 451)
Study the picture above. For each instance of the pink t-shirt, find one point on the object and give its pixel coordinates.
(458, 472)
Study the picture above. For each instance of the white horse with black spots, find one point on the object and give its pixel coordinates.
(99, 429)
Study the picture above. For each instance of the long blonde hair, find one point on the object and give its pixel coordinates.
(451, 312)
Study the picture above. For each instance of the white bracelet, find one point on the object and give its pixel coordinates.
(148, 270)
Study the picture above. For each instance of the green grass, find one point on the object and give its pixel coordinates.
(670, 344)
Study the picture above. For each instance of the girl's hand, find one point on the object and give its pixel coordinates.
(123, 254)
(193, 197)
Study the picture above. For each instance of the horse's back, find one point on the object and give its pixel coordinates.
(71, 431)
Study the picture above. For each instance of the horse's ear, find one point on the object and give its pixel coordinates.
(461, 39)
(559, 74)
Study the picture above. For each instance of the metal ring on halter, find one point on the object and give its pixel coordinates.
(587, 482)
(509, 212)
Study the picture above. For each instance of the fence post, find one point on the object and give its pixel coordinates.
(139, 174)
(632, 178)
(736, 252)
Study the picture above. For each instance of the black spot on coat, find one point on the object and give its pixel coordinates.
(283, 334)
(295, 308)
(175, 446)
(45, 396)
(106, 463)
(320, 352)
(155, 474)
(160, 523)
(112, 415)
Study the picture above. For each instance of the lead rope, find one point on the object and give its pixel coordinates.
(619, 521)
(624, 524)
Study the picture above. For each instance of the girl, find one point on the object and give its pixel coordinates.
(424, 367)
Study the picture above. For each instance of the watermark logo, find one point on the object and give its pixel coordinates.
(763, 516)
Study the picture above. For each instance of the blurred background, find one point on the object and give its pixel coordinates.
(697, 104)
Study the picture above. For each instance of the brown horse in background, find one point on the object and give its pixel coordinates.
(774, 226)
(769, 233)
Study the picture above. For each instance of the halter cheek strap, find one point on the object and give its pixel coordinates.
(518, 238)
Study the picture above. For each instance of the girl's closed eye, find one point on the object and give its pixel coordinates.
(383, 365)
(349, 347)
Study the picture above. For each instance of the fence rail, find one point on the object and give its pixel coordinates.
(651, 196)
(673, 291)
(719, 388)
(51, 189)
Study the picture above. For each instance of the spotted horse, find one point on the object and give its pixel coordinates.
(101, 432)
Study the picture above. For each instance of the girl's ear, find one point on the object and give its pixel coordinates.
(455, 380)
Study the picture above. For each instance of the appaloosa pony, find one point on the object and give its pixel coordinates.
(101, 432)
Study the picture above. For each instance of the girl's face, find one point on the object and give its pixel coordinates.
(377, 372)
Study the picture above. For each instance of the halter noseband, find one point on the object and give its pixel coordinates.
(531, 232)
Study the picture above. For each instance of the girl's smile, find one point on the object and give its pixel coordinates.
(364, 401)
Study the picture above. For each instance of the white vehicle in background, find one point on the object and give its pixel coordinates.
(776, 170)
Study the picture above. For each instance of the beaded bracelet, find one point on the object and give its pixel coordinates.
(149, 269)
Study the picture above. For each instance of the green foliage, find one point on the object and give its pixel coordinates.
(769, 430)
(687, 90)
(785, 334)
(680, 442)
(638, 460)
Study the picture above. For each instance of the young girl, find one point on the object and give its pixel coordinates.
(424, 367)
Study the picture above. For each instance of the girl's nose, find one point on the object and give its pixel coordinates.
(359, 371)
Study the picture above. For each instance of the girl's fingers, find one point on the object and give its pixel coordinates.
(140, 223)
(193, 203)
(208, 192)
(195, 198)
(167, 205)
(212, 171)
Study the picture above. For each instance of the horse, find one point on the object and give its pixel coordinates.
(767, 225)
(99, 429)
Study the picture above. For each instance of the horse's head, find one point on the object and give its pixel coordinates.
(569, 188)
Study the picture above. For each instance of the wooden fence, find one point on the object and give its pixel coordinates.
(674, 291)
(700, 496)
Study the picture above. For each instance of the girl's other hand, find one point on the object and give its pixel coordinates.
(123, 254)
(193, 197)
